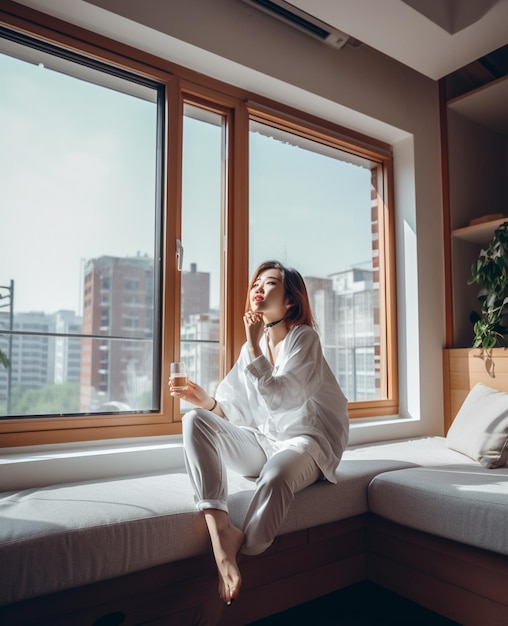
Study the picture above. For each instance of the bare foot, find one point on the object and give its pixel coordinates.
(226, 543)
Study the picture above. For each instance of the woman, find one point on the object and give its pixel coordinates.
(279, 415)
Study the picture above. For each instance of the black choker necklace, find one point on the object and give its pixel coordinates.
(270, 324)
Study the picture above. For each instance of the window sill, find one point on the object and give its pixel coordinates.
(39, 466)
(385, 428)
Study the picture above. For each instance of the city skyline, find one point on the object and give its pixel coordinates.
(193, 267)
(111, 359)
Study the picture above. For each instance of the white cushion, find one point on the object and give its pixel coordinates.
(480, 430)
(420, 451)
(466, 503)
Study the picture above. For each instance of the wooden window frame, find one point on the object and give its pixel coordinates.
(337, 137)
(184, 85)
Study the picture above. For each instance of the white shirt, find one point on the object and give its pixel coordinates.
(296, 403)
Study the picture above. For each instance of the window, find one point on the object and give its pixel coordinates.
(80, 180)
(203, 185)
(139, 202)
(320, 207)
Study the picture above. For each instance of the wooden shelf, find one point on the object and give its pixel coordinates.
(485, 105)
(479, 233)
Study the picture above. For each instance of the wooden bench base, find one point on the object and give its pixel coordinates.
(462, 583)
(465, 584)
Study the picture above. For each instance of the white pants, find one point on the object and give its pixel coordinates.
(212, 444)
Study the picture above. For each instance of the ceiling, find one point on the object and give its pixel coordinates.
(434, 37)
(463, 40)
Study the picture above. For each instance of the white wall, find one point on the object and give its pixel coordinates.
(359, 88)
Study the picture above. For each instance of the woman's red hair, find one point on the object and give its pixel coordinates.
(300, 311)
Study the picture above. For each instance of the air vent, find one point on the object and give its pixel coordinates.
(303, 21)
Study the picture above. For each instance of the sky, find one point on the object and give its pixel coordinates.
(76, 181)
(307, 210)
(77, 171)
(313, 210)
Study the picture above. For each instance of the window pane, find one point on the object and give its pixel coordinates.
(78, 188)
(314, 207)
(203, 141)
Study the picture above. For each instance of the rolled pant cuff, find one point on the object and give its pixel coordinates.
(219, 505)
(254, 550)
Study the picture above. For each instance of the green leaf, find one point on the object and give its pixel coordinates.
(489, 342)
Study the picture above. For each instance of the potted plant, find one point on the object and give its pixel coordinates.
(490, 271)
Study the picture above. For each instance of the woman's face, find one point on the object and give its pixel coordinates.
(268, 296)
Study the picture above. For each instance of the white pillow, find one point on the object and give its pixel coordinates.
(480, 430)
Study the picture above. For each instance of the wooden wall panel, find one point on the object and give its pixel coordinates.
(463, 368)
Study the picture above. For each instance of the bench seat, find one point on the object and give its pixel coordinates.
(86, 532)
(465, 503)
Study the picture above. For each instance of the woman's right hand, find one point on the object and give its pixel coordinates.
(194, 394)
(254, 326)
